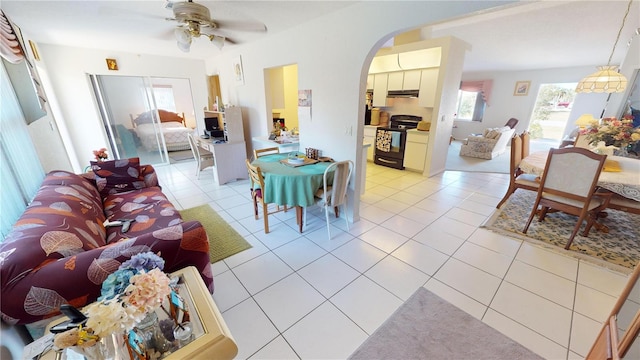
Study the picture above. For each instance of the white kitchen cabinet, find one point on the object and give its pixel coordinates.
(415, 152)
(380, 90)
(396, 80)
(370, 138)
(370, 81)
(428, 87)
(412, 80)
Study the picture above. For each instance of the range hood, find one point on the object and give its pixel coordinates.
(402, 93)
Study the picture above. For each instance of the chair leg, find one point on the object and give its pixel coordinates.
(533, 213)
(255, 205)
(326, 216)
(265, 214)
(510, 191)
(575, 232)
(346, 216)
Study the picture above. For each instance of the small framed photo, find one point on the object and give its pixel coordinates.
(522, 88)
(112, 64)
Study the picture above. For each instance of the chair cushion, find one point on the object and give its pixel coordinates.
(117, 175)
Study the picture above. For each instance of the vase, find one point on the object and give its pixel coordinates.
(109, 348)
(151, 333)
(622, 151)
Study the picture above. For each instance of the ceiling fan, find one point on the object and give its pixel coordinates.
(194, 20)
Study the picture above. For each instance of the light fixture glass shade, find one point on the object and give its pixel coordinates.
(218, 41)
(606, 80)
(183, 37)
(585, 120)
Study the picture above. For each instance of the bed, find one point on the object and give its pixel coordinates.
(173, 128)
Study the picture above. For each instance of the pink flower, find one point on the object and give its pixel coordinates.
(147, 290)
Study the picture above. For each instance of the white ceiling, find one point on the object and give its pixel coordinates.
(534, 35)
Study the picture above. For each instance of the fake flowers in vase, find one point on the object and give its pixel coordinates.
(136, 289)
(101, 154)
(613, 132)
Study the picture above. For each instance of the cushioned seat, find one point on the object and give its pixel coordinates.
(492, 143)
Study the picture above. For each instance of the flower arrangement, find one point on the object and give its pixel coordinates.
(136, 289)
(613, 132)
(101, 154)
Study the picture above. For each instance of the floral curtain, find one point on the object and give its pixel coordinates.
(482, 86)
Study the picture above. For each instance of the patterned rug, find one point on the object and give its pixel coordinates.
(618, 248)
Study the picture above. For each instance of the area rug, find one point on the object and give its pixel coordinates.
(224, 240)
(619, 249)
(428, 327)
(181, 155)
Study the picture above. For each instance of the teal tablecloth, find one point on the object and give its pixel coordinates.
(287, 185)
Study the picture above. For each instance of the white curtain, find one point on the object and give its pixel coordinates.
(20, 169)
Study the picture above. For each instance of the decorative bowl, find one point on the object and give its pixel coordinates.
(296, 161)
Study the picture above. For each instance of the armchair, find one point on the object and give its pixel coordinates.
(492, 143)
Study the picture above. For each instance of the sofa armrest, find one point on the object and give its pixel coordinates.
(77, 279)
(481, 139)
(150, 176)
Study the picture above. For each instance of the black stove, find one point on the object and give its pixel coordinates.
(391, 141)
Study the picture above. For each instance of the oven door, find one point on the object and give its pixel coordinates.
(389, 149)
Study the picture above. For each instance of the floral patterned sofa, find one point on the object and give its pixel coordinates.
(59, 251)
(492, 143)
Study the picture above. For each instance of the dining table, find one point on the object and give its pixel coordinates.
(291, 184)
(620, 175)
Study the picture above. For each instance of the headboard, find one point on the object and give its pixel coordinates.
(165, 116)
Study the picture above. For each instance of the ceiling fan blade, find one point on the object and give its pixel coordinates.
(254, 26)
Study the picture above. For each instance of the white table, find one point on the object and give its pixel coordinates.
(625, 182)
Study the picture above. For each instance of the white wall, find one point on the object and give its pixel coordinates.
(333, 54)
(504, 105)
(67, 69)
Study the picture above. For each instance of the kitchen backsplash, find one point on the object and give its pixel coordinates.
(407, 106)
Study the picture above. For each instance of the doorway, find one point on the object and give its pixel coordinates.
(282, 96)
(551, 111)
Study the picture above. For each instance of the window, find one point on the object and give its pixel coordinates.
(163, 95)
(470, 106)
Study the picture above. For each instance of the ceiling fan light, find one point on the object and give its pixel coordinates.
(606, 80)
(218, 41)
(182, 35)
(184, 46)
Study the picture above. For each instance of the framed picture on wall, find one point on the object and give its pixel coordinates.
(237, 70)
(522, 88)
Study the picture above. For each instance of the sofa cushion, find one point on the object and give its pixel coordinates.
(149, 208)
(117, 175)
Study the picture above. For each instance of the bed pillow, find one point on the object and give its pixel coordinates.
(117, 175)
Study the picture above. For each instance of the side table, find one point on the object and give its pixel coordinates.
(212, 338)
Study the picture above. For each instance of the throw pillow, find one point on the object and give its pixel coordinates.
(493, 134)
(117, 175)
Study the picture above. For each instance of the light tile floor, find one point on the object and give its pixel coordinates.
(303, 296)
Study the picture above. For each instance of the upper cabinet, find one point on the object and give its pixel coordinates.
(428, 87)
(380, 90)
(404, 80)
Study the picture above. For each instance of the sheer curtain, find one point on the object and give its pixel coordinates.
(20, 169)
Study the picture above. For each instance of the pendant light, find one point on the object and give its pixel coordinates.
(607, 79)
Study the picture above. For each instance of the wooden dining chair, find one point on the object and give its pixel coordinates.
(518, 180)
(204, 158)
(335, 195)
(257, 195)
(526, 143)
(568, 184)
(266, 151)
(581, 142)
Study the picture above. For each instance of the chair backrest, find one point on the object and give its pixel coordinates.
(255, 176)
(194, 147)
(581, 142)
(512, 123)
(516, 155)
(526, 144)
(341, 175)
(572, 172)
(266, 151)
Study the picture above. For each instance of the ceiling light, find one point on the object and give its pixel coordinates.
(607, 79)
(183, 37)
(218, 41)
